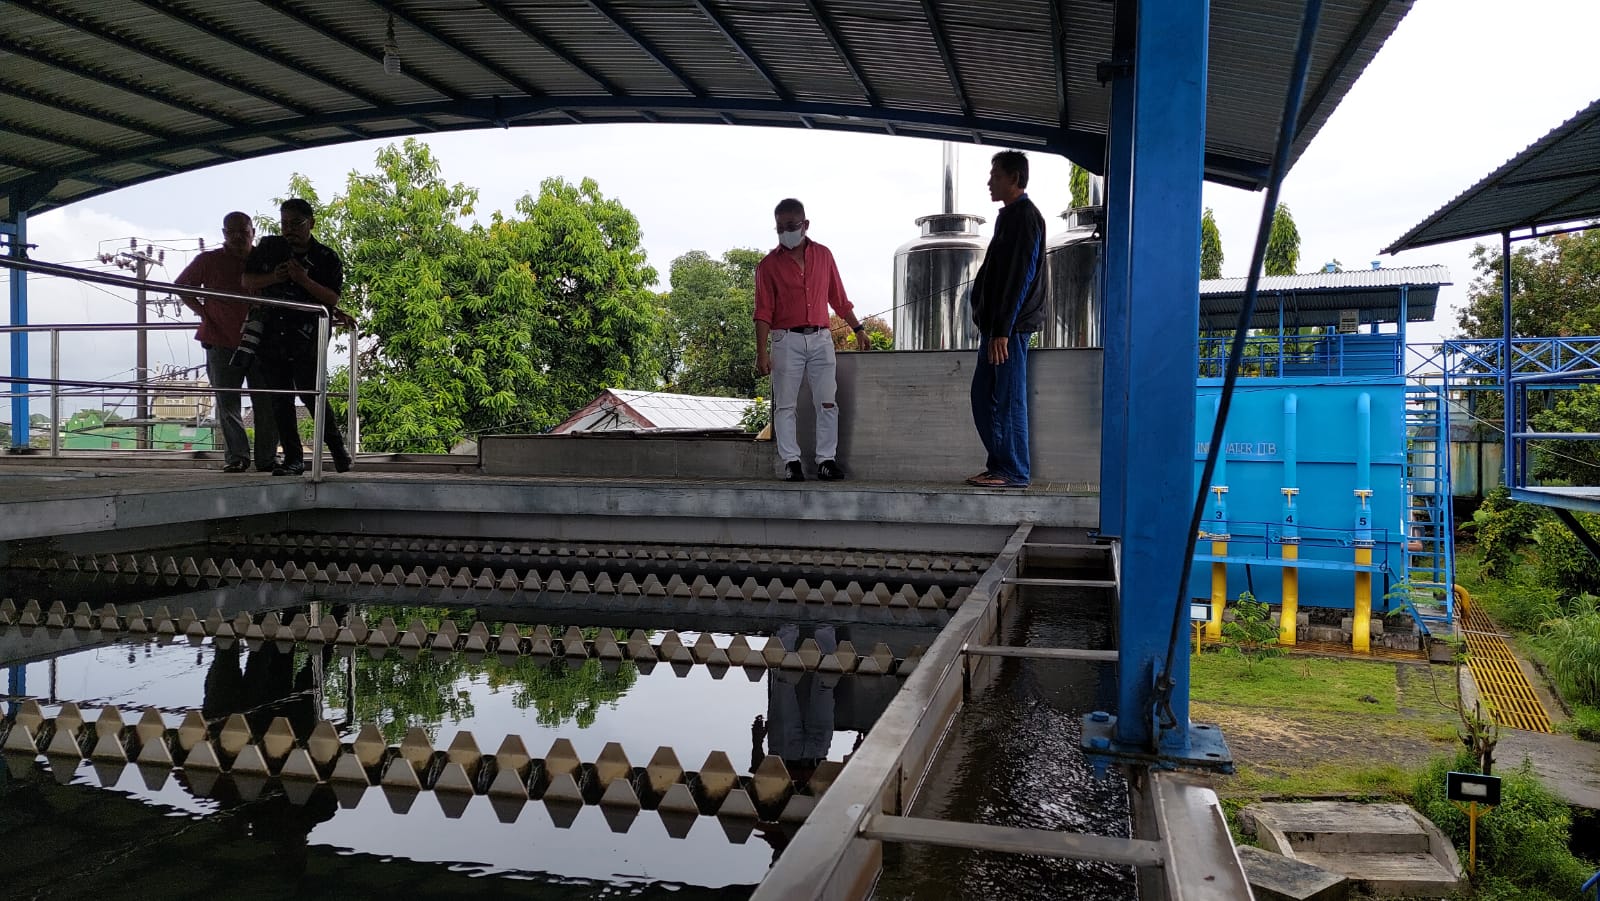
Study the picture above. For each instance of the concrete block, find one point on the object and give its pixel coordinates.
(401, 774)
(369, 747)
(738, 650)
(563, 789)
(279, 739)
(771, 782)
(513, 755)
(717, 777)
(348, 769)
(235, 734)
(562, 759)
(323, 744)
(416, 749)
(508, 784)
(454, 778)
(251, 762)
(1274, 877)
(737, 805)
(612, 764)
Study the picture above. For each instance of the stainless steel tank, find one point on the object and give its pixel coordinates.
(933, 277)
(1073, 277)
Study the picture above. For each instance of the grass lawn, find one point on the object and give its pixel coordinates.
(1299, 727)
(1307, 683)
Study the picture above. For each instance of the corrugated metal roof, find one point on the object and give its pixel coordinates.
(617, 409)
(1316, 298)
(1555, 180)
(97, 96)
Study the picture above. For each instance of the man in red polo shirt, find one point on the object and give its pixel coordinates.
(221, 322)
(795, 285)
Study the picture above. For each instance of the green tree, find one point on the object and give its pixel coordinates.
(1210, 246)
(1283, 244)
(1078, 179)
(1555, 288)
(470, 328)
(709, 336)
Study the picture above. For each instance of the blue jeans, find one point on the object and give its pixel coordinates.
(1000, 409)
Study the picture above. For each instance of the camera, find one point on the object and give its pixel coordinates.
(249, 340)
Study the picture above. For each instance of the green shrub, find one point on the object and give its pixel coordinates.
(1501, 527)
(1522, 843)
(1570, 647)
(1563, 560)
(756, 416)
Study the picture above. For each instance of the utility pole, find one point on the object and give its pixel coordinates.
(140, 262)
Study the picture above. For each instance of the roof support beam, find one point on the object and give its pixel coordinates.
(1058, 53)
(112, 80)
(946, 53)
(552, 46)
(299, 66)
(725, 28)
(333, 34)
(1339, 65)
(643, 43)
(825, 22)
(209, 73)
(88, 112)
(39, 134)
(1540, 216)
(432, 34)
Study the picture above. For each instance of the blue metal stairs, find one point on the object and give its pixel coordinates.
(1430, 551)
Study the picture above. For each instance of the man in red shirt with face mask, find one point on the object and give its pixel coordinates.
(795, 285)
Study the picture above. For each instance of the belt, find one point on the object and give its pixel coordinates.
(806, 329)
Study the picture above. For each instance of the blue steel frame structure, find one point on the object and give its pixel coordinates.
(15, 232)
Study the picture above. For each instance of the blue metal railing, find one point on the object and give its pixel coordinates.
(1520, 434)
(1593, 885)
(1475, 363)
(1286, 355)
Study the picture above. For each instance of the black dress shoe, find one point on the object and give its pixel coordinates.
(289, 469)
(794, 472)
(235, 466)
(343, 464)
(829, 471)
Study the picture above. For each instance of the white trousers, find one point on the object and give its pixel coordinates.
(807, 358)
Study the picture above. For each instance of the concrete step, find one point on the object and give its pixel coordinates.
(1332, 827)
(1388, 850)
(1417, 875)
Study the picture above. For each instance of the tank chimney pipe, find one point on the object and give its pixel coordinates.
(948, 188)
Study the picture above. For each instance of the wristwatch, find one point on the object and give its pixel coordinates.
(860, 328)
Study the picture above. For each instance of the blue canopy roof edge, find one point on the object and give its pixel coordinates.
(92, 100)
(1555, 180)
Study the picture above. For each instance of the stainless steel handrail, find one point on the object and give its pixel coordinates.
(324, 333)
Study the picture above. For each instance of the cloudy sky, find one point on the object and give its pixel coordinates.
(1460, 87)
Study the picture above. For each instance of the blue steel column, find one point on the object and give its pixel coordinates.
(1114, 300)
(1505, 356)
(1163, 323)
(17, 236)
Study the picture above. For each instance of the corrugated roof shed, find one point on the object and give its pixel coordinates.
(617, 409)
(1316, 298)
(1556, 180)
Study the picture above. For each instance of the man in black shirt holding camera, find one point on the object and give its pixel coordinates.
(295, 266)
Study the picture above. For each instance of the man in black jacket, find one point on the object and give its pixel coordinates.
(1008, 306)
(295, 266)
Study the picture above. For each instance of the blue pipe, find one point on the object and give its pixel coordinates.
(1291, 460)
(1219, 478)
(1364, 467)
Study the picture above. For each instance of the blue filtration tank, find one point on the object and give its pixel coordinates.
(1309, 463)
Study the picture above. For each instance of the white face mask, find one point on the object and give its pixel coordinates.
(792, 239)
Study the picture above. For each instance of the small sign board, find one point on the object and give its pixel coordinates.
(1200, 613)
(1349, 322)
(1472, 787)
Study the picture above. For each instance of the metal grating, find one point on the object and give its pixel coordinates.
(1500, 680)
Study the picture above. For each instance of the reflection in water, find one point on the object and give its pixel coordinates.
(255, 840)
